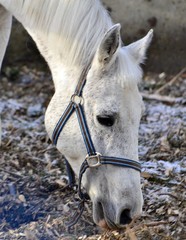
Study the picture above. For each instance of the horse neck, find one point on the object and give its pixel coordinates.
(67, 33)
(5, 27)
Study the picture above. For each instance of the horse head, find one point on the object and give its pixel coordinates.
(113, 107)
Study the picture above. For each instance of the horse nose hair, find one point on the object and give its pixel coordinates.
(125, 217)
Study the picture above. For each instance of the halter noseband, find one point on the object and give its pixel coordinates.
(93, 158)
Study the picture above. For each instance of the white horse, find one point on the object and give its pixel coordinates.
(71, 34)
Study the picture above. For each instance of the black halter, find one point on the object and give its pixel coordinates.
(93, 158)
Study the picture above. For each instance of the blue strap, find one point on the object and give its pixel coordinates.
(77, 215)
(122, 162)
(83, 168)
(70, 173)
(85, 130)
(62, 121)
(83, 126)
(59, 127)
(82, 80)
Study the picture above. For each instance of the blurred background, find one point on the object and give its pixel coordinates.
(35, 200)
(168, 19)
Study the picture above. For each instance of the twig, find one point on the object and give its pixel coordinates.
(168, 194)
(11, 173)
(173, 80)
(46, 149)
(37, 159)
(153, 224)
(165, 99)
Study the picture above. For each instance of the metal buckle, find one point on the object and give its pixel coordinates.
(77, 99)
(94, 160)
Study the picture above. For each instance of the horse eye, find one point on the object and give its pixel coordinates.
(106, 120)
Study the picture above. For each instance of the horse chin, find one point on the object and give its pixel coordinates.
(102, 219)
(103, 224)
(108, 225)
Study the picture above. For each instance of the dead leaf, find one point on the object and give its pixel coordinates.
(146, 175)
(131, 234)
(22, 198)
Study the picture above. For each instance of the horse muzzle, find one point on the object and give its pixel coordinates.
(110, 216)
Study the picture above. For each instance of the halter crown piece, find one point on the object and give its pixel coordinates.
(93, 158)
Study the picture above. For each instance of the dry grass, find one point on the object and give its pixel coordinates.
(35, 201)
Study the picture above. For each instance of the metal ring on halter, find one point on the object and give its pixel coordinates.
(77, 99)
(93, 160)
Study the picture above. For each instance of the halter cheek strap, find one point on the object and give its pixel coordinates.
(93, 159)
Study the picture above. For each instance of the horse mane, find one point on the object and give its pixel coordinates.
(68, 29)
(73, 28)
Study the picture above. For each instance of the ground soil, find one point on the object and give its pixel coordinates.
(35, 201)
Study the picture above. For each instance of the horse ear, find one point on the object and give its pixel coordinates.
(138, 49)
(109, 45)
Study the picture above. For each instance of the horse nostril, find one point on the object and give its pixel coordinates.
(125, 217)
(100, 209)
